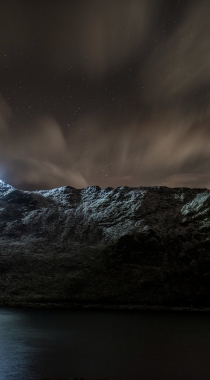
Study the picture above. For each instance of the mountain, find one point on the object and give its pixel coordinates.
(144, 247)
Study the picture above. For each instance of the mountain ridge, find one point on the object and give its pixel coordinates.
(143, 247)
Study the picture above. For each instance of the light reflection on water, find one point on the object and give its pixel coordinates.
(123, 344)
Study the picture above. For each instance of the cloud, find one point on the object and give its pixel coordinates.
(167, 150)
(179, 66)
(5, 113)
(36, 156)
(169, 145)
(185, 180)
(151, 152)
(105, 33)
(93, 36)
(36, 173)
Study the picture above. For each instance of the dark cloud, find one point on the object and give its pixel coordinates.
(105, 34)
(179, 67)
(108, 93)
(93, 36)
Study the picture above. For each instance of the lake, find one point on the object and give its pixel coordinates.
(146, 345)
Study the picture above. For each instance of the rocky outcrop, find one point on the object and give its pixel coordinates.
(146, 247)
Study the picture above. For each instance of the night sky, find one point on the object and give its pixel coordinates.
(105, 92)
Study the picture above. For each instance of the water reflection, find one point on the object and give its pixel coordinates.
(123, 344)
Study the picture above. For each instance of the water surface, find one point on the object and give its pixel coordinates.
(84, 343)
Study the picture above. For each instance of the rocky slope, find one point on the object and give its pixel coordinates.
(146, 247)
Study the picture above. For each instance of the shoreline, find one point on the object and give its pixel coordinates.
(74, 306)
